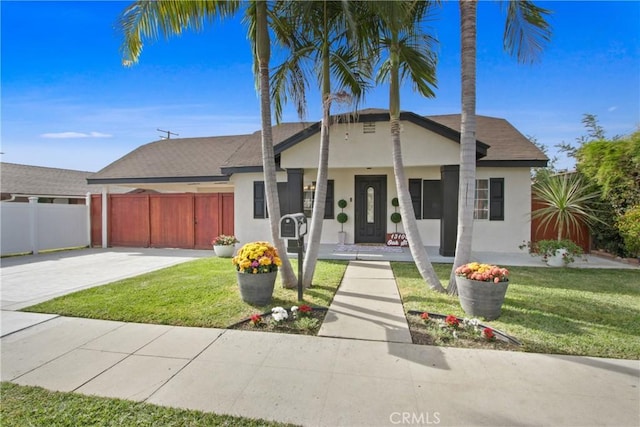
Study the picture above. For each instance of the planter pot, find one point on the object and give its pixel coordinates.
(342, 237)
(257, 289)
(481, 299)
(224, 251)
(557, 260)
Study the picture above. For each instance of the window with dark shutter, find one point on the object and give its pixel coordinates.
(329, 202)
(431, 199)
(496, 199)
(415, 191)
(259, 202)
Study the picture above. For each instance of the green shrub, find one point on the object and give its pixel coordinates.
(629, 225)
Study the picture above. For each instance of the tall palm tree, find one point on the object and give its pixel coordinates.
(525, 33)
(409, 55)
(148, 18)
(321, 32)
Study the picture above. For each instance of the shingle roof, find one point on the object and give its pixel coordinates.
(506, 142)
(42, 181)
(212, 158)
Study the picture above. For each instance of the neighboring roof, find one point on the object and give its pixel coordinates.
(211, 159)
(28, 180)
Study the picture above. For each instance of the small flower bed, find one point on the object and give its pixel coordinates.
(483, 272)
(223, 240)
(256, 258)
(435, 329)
(302, 319)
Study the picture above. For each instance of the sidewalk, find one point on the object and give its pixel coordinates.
(323, 381)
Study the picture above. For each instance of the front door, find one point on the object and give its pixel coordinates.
(370, 208)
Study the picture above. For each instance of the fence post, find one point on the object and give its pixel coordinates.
(33, 216)
(104, 215)
(88, 205)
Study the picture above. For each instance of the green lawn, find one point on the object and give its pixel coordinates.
(35, 406)
(202, 293)
(590, 312)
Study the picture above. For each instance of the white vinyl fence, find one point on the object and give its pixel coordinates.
(33, 227)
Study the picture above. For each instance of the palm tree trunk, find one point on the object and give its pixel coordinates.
(320, 197)
(263, 49)
(418, 251)
(467, 189)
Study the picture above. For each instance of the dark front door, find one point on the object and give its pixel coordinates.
(370, 208)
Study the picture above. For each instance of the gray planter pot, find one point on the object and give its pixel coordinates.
(481, 299)
(257, 289)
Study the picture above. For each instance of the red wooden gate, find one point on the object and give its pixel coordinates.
(163, 220)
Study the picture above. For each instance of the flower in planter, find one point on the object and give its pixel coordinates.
(303, 311)
(223, 240)
(452, 321)
(256, 320)
(425, 316)
(487, 334)
(483, 272)
(256, 258)
(278, 314)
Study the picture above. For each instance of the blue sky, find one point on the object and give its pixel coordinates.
(68, 102)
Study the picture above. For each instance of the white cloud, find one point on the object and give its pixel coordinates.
(68, 135)
(614, 108)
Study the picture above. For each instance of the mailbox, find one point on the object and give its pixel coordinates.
(293, 226)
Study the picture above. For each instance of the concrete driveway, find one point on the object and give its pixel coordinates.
(30, 279)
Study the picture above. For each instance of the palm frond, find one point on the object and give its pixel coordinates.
(526, 30)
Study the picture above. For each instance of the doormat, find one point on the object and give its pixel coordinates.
(367, 248)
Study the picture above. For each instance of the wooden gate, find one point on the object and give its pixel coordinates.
(163, 220)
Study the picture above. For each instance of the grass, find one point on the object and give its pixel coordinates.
(583, 312)
(201, 293)
(35, 406)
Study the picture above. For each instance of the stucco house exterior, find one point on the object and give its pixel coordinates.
(360, 172)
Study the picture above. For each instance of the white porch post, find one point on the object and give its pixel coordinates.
(33, 214)
(105, 191)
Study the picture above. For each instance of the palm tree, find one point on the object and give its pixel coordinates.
(410, 55)
(525, 33)
(322, 32)
(148, 18)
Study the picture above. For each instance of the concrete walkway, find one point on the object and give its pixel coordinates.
(367, 305)
(317, 381)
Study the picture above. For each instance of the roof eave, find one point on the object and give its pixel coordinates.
(157, 180)
(531, 163)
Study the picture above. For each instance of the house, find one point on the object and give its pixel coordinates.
(49, 185)
(360, 172)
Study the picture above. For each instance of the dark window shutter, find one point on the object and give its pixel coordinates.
(329, 202)
(259, 201)
(496, 199)
(432, 199)
(415, 190)
(283, 197)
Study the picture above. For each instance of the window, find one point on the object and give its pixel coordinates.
(308, 195)
(431, 199)
(369, 127)
(426, 197)
(481, 205)
(489, 203)
(260, 200)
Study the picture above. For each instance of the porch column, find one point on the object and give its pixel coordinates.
(33, 213)
(450, 176)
